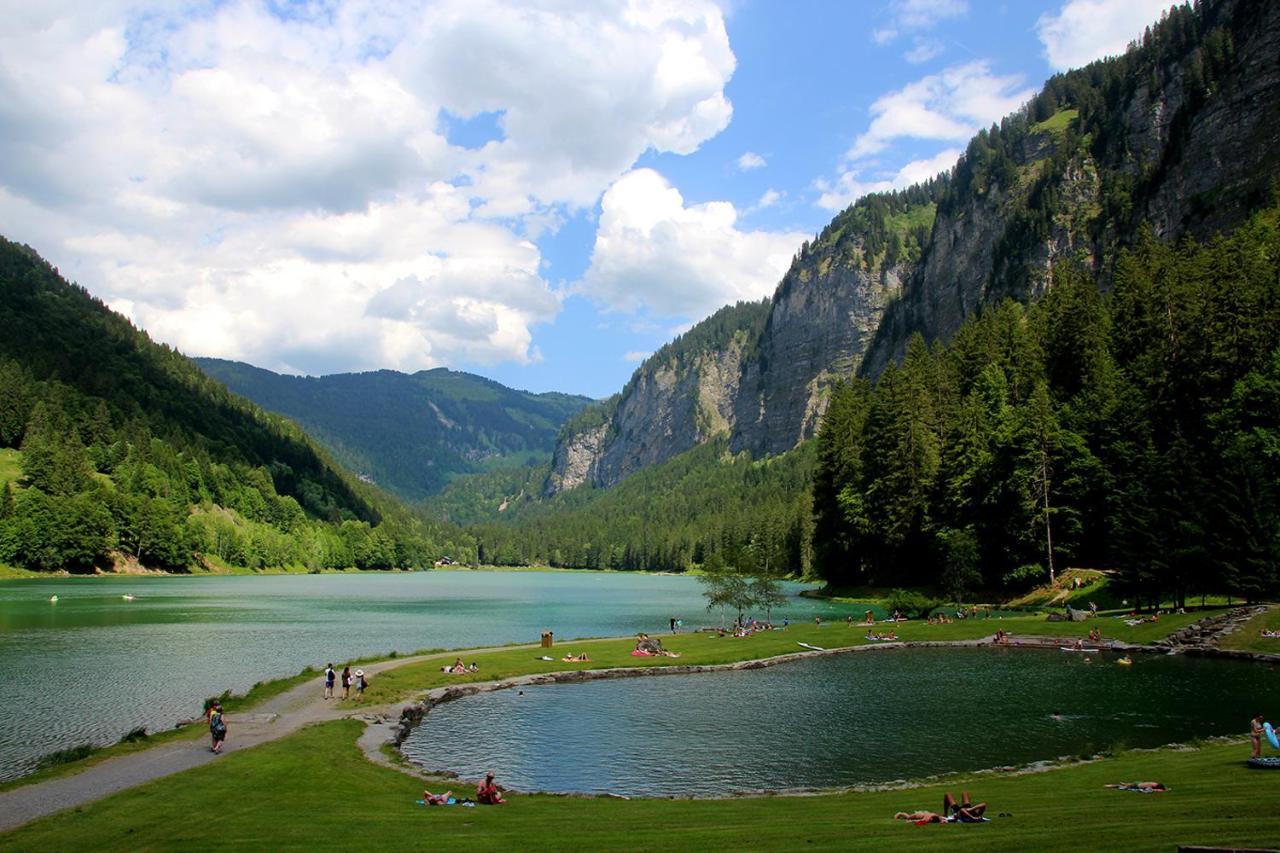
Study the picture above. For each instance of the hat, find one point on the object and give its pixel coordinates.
(359, 673)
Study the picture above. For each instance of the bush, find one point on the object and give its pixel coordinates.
(66, 756)
(911, 604)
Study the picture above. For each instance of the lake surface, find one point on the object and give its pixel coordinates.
(851, 719)
(93, 666)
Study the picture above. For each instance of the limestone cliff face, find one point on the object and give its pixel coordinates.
(821, 320)
(575, 459)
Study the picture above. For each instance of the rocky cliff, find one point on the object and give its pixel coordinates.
(1181, 134)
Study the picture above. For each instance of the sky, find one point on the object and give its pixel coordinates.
(539, 192)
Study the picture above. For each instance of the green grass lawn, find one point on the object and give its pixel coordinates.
(1247, 638)
(10, 465)
(1057, 123)
(706, 648)
(314, 790)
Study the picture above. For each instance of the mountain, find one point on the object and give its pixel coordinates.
(1181, 135)
(410, 434)
(129, 453)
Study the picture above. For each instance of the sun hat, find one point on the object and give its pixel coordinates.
(359, 673)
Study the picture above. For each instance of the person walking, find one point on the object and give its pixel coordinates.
(217, 727)
(346, 682)
(361, 684)
(329, 677)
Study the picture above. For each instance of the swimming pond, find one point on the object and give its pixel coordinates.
(864, 718)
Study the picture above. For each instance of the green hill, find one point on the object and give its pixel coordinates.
(130, 453)
(410, 434)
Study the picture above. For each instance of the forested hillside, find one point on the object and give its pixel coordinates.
(410, 434)
(129, 453)
(667, 517)
(1136, 429)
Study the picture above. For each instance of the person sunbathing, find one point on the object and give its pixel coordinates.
(1144, 787)
(582, 658)
(964, 811)
(436, 799)
(920, 818)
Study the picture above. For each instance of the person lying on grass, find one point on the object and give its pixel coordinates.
(964, 811)
(579, 658)
(436, 799)
(1144, 787)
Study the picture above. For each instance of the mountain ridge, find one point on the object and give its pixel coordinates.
(429, 427)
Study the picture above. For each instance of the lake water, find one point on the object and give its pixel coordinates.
(93, 666)
(845, 720)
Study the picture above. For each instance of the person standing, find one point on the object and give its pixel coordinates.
(329, 677)
(217, 727)
(1255, 735)
(673, 624)
(817, 620)
(346, 682)
(361, 684)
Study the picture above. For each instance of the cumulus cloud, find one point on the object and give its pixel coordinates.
(853, 184)
(654, 253)
(750, 160)
(279, 186)
(948, 106)
(1085, 30)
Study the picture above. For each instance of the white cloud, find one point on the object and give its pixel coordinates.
(654, 253)
(751, 160)
(947, 106)
(851, 185)
(906, 16)
(1085, 30)
(282, 189)
(769, 198)
(636, 355)
(922, 50)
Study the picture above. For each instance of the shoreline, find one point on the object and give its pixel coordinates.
(10, 573)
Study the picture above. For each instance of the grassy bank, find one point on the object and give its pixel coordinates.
(1248, 637)
(315, 789)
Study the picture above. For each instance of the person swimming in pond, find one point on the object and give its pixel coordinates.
(1056, 716)
(487, 792)
(431, 799)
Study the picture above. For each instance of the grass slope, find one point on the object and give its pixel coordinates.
(1247, 637)
(315, 789)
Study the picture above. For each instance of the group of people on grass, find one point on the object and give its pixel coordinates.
(460, 668)
(647, 646)
(487, 794)
(349, 679)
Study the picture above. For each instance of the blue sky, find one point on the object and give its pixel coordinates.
(541, 193)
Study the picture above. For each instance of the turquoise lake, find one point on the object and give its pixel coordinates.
(94, 666)
(854, 719)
